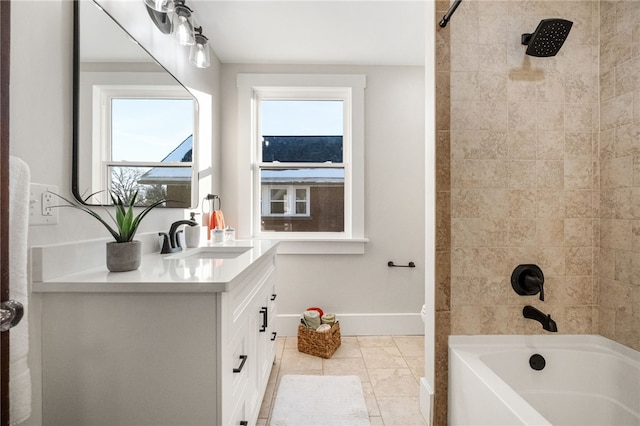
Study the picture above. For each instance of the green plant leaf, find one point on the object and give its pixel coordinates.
(126, 224)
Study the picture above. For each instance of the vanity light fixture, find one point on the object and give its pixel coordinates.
(174, 17)
(199, 55)
(164, 6)
(182, 24)
(159, 18)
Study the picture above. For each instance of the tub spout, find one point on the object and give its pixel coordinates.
(544, 319)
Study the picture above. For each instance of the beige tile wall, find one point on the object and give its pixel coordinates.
(539, 162)
(523, 170)
(619, 271)
(443, 216)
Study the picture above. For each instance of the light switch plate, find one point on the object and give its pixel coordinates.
(43, 208)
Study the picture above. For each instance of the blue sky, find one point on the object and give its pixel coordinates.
(149, 129)
(301, 118)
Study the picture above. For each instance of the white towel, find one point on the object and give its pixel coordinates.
(20, 375)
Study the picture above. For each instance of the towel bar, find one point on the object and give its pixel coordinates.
(390, 264)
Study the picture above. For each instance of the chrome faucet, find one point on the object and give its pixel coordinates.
(171, 241)
(544, 319)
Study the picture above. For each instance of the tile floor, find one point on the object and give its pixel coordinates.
(389, 367)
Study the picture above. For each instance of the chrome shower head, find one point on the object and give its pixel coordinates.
(548, 37)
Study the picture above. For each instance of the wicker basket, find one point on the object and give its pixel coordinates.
(323, 345)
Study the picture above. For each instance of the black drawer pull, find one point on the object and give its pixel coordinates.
(263, 327)
(239, 369)
(273, 296)
(273, 336)
(244, 423)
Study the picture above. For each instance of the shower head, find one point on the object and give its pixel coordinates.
(548, 37)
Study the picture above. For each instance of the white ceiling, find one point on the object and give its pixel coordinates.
(314, 32)
(358, 32)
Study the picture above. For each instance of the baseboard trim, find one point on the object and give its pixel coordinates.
(399, 324)
(426, 401)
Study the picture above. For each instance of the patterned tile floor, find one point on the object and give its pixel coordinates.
(389, 367)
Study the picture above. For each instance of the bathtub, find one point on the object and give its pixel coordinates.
(586, 380)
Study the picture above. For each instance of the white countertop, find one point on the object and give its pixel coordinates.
(166, 272)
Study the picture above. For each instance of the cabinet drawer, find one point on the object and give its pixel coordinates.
(267, 308)
(272, 301)
(244, 292)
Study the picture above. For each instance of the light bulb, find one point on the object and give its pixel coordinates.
(199, 55)
(183, 26)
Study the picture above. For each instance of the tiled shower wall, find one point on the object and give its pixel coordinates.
(539, 162)
(524, 166)
(619, 270)
(443, 216)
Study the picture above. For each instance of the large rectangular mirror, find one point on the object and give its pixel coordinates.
(134, 123)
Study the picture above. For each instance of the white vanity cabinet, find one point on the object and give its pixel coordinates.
(145, 348)
(247, 345)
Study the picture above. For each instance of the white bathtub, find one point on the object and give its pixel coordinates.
(587, 380)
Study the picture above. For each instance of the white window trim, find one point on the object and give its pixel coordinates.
(251, 85)
(101, 128)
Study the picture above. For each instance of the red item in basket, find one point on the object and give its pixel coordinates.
(313, 308)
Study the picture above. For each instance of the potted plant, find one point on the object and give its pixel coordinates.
(125, 253)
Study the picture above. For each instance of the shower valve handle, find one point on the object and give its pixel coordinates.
(528, 280)
(536, 284)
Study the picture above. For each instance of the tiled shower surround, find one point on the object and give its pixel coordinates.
(619, 262)
(538, 162)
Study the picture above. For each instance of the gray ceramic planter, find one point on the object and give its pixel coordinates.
(122, 257)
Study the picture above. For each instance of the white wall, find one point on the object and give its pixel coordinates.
(370, 297)
(41, 114)
(41, 102)
(427, 382)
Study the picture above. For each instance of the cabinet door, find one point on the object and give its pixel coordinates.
(250, 315)
(256, 324)
(237, 372)
(239, 416)
(262, 326)
(270, 335)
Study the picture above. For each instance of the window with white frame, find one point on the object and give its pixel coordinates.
(146, 143)
(283, 201)
(304, 138)
(300, 145)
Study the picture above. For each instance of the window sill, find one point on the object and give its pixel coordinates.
(323, 246)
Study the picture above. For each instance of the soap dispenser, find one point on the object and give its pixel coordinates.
(192, 233)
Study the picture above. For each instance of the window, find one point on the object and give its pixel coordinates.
(285, 201)
(303, 136)
(146, 144)
(300, 147)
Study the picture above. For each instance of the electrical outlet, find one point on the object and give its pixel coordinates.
(48, 204)
(43, 205)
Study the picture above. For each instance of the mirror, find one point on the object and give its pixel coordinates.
(134, 123)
